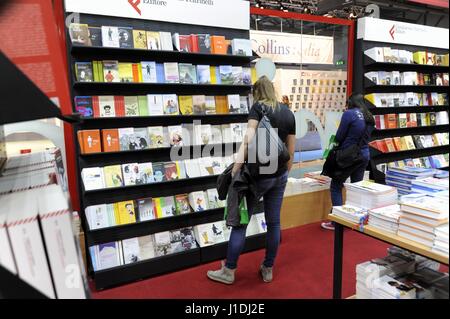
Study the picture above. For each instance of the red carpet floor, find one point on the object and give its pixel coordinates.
(304, 269)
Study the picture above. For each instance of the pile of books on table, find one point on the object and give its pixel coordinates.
(423, 216)
(402, 177)
(441, 239)
(369, 195)
(351, 213)
(385, 218)
(304, 185)
(429, 185)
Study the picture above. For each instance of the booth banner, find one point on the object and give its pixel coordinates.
(293, 48)
(233, 14)
(371, 29)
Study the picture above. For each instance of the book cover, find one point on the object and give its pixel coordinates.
(216, 134)
(155, 104)
(89, 141)
(186, 105)
(402, 120)
(241, 47)
(143, 105)
(246, 76)
(126, 212)
(237, 75)
(206, 168)
(184, 43)
(175, 135)
(210, 105)
(93, 178)
(110, 138)
(171, 171)
(113, 176)
(140, 39)
(165, 207)
(188, 74)
(213, 72)
(153, 40)
(109, 255)
(213, 199)
(126, 72)
(419, 141)
(234, 103)
(110, 37)
(119, 105)
(170, 105)
(130, 173)
(125, 37)
(107, 106)
(84, 71)
(204, 43)
(130, 250)
(149, 72)
(97, 217)
(227, 134)
(125, 135)
(390, 144)
(397, 143)
(198, 201)
(199, 104)
(145, 174)
(160, 76)
(192, 167)
(163, 245)
(111, 71)
(237, 132)
(193, 38)
(140, 140)
(131, 106)
(147, 247)
(171, 72)
(390, 121)
(409, 142)
(218, 45)
(182, 204)
(159, 172)
(156, 136)
(84, 106)
(244, 106)
(203, 74)
(95, 34)
(145, 209)
(226, 74)
(222, 105)
(166, 41)
(79, 34)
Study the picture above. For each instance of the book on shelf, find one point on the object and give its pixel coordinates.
(89, 141)
(145, 174)
(105, 256)
(126, 138)
(175, 135)
(241, 47)
(146, 210)
(192, 168)
(182, 240)
(84, 106)
(113, 176)
(237, 75)
(93, 178)
(98, 217)
(126, 212)
(210, 234)
(210, 105)
(131, 250)
(204, 74)
(156, 136)
(166, 41)
(188, 73)
(204, 43)
(149, 72)
(140, 39)
(226, 74)
(218, 45)
(171, 72)
(110, 37)
(186, 104)
(79, 34)
(172, 171)
(221, 105)
(153, 40)
(84, 71)
(131, 106)
(130, 173)
(165, 207)
(159, 172)
(213, 199)
(125, 37)
(162, 243)
(193, 39)
(198, 201)
(170, 104)
(111, 71)
(155, 104)
(198, 104)
(234, 103)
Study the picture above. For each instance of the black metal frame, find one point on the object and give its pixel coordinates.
(127, 273)
(364, 85)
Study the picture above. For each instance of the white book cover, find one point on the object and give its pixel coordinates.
(244, 108)
(162, 243)
(213, 199)
(205, 134)
(149, 72)
(107, 106)
(155, 104)
(130, 173)
(409, 78)
(237, 132)
(192, 168)
(216, 134)
(206, 168)
(60, 241)
(373, 76)
(209, 234)
(110, 37)
(108, 255)
(131, 250)
(234, 102)
(218, 165)
(396, 78)
(210, 105)
(442, 118)
(166, 41)
(97, 216)
(6, 254)
(93, 178)
(171, 72)
(176, 135)
(170, 104)
(126, 134)
(145, 175)
(237, 74)
(227, 134)
(375, 54)
(198, 201)
(241, 47)
(27, 241)
(203, 74)
(146, 247)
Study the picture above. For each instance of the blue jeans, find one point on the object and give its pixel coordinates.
(356, 175)
(273, 191)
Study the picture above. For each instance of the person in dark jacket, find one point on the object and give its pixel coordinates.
(271, 186)
(356, 127)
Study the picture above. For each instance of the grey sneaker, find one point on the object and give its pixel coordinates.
(224, 275)
(266, 273)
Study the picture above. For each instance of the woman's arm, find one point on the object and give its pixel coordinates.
(290, 143)
(243, 150)
(341, 133)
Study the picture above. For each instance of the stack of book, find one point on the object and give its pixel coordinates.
(441, 240)
(385, 218)
(369, 195)
(407, 99)
(422, 214)
(351, 213)
(435, 161)
(402, 177)
(304, 185)
(429, 185)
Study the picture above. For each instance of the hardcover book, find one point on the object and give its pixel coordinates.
(89, 141)
(204, 43)
(241, 47)
(234, 103)
(237, 75)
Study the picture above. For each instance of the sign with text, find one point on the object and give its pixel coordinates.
(293, 48)
(379, 30)
(232, 14)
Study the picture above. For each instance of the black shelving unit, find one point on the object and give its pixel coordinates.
(361, 83)
(144, 269)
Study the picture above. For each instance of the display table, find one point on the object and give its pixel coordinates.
(374, 233)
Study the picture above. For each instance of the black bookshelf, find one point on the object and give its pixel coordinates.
(361, 83)
(155, 266)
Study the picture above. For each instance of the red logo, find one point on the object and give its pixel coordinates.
(392, 32)
(135, 4)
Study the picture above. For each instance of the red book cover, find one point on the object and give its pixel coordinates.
(194, 42)
(412, 120)
(136, 73)
(397, 143)
(389, 144)
(377, 122)
(382, 146)
(119, 104)
(185, 43)
(96, 106)
(89, 141)
(374, 144)
(390, 121)
(110, 139)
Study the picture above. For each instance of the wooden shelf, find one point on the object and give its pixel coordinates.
(392, 239)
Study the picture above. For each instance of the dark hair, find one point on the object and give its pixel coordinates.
(356, 100)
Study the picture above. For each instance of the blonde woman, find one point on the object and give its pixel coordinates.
(271, 186)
